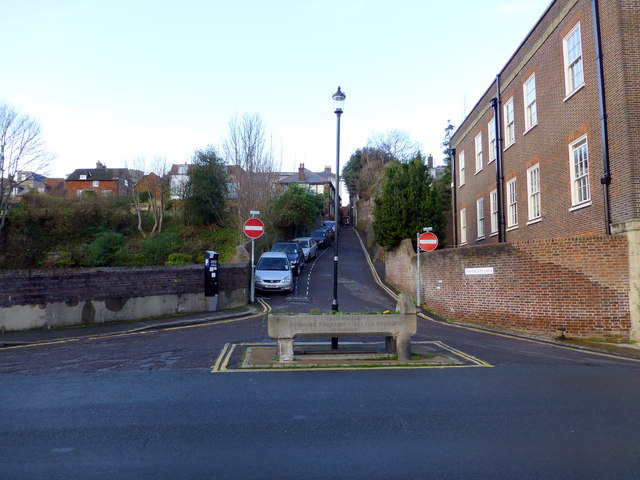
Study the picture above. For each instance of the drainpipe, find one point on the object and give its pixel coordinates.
(454, 207)
(606, 178)
(495, 104)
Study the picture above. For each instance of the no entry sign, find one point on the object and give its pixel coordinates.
(253, 228)
(428, 241)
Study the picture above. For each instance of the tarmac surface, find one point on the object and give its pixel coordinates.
(42, 336)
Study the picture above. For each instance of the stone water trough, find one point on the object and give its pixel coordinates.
(397, 328)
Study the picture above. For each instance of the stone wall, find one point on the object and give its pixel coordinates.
(48, 298)
(579, 284)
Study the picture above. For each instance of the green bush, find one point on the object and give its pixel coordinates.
(104, 248)
(179, 259)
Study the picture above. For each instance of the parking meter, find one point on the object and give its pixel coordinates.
(211, 280)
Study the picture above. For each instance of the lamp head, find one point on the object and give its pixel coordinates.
(338, 101)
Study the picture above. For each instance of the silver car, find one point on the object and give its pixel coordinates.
(273, 272)
(309, 247)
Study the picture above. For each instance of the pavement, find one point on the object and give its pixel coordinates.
(30, 337)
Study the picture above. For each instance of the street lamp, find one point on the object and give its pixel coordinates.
(338, 103)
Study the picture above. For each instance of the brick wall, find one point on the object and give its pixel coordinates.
(580, 284)
(37, 287)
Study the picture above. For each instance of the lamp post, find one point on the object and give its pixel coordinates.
(338, 103)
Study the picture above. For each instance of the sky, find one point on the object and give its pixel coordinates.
(115, 80)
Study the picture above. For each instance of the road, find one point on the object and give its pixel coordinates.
(151, 405)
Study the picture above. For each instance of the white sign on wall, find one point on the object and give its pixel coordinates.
(479, 271)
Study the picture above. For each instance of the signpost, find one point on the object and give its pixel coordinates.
(253, 228)
(426, 242)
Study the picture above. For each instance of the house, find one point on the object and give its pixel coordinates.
(54, 187)
(26, 182)
(103, 180)
(550, 153)
(321, 183)
(178, 178)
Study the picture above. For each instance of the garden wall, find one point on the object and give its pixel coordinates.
(49, 298)
(579, 284)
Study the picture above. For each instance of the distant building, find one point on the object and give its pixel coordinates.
(179, 176)
(318, 183)
(102, 180)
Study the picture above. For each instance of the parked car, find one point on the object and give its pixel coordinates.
(309, 247)
(294, 252)
(331, 224)
(322, 237)
(273, 272)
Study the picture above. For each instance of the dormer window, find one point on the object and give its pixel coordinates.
(83, 177)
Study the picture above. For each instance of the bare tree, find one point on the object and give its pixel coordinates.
(395, 143)
(21, 150)
(252, 167)
(155, 183)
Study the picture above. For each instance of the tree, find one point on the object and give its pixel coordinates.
(154, 187)
(21, 149)
(296, 209)
(252, 172)
(395, 144)
(408, 202)
(206, 190)
(363, 171)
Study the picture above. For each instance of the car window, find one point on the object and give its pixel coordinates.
(270, 263)
(304, 243)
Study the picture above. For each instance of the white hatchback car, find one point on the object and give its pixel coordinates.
(309, 247)
(273, 272)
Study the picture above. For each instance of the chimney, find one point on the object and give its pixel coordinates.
(327, 169)
(100, 165)
(301, 175)
(430, 161)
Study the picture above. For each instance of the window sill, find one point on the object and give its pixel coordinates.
(571, 94)
(530, 128)
(535, 220)
(508, 146)
(515, 227)
(494, 234)
(479, 239)
(580, 206)
(478, 171)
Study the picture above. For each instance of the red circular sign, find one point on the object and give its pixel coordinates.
(428, 241)
(253, 228)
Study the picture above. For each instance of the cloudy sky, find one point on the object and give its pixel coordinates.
(113, 80)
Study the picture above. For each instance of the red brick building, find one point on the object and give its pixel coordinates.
(102, 180)
(552, 148)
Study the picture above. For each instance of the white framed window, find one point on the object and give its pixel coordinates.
(480, 217)
(509, 123)
(83, 176)
(96, 183)
(530, 106)
(493, 196)
(533, 192)
(579, 167)
(463, 226)
(572, 49)
(461, 169)
(491, 127)
(512, 204)
(478, 152)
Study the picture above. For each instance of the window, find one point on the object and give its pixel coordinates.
(533, 192)
(492, 140)
(579, 165)
(463, 226)
(83, 176)
(530, 109)
(509, 123)
(96, 183)
(480, 217)
(461, 168)
(494, 211)
(478, 152)
(512, 206)
(572, 49)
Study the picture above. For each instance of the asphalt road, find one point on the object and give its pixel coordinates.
(151, 405)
